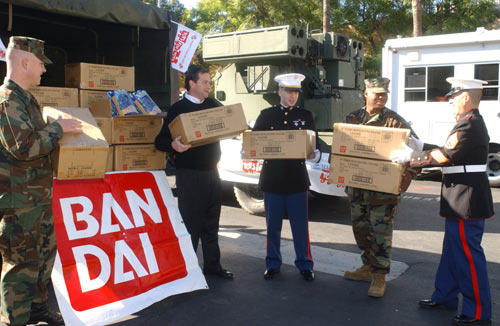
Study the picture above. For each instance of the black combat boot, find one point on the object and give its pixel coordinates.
(41, 313)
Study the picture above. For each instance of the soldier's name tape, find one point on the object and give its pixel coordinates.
(464, 169)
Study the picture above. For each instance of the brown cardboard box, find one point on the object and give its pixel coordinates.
(55, 96)
(382, 176)
(109, 160)
(208, 126)
(82, 155)
(278, 144)
(367, 141)
(106, 126)
(101, 108)
(137, 129)
(86, 97)
(138, 157)
(99, 77)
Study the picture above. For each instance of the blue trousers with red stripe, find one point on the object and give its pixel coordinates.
(462, 269)
(295, 205)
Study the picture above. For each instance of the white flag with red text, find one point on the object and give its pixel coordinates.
(121, 246)
(2, 51)
(185, 44)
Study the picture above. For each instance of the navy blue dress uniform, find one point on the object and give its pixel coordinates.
(466, 202)
(285, 183)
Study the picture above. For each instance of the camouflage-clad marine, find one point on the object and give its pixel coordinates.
(372, 212)
(27, 239)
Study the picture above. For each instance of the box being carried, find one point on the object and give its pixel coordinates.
(55, 96)
(375, 175)
(208, 126)
(99, 77)
(278, 144)
(367, 141)
(82, 155)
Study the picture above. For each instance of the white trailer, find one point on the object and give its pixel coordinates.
(418, 68)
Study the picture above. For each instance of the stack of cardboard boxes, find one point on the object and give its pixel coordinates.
(130, 138)
(360, 157)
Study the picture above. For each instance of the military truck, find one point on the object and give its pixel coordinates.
(251, 59)
(113, 32)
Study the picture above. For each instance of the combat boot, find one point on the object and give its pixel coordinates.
(377, 287)
(364, 273)
(41, 313)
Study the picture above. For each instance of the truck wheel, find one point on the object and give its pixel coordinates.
(250, 198)
(493, 165)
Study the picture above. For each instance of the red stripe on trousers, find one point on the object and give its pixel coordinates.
(472, 269)
(307, 223)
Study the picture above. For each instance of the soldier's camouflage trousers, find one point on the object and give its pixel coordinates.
(28, 248)
(372, 224)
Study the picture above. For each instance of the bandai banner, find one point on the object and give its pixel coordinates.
(121, 246)
(185, 44)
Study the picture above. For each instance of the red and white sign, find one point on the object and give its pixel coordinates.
(185, 44)
(121, 246)
(3, 50)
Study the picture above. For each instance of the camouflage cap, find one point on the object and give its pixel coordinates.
(378, 85)
(31, 45)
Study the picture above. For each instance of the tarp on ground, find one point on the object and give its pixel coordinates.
(129, 12)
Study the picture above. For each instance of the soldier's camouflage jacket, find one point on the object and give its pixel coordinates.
(385, 118)
(26, 142)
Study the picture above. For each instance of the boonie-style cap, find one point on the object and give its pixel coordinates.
(31, 45)
(458, 84)
(290, 82)
(378, 85)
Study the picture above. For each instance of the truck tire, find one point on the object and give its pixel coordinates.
(493, 165)
(250, 198)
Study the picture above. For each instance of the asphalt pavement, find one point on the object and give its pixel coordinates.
(330, 299)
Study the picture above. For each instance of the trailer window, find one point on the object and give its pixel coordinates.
(427, 83)
(489, 73)
(414, 84)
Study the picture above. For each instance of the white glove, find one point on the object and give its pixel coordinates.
(316, 157)
(402, 155)
(415, 143)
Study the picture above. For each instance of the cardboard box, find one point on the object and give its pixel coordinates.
(55, 96)
(82, 155)
(208, 126)
(138, 157)
(367, 141)
(106, 126)
(99, 77)
(137, 129)
(101, 108)
(376, 175)
(86, 97)
(278, 144)
(110, 159)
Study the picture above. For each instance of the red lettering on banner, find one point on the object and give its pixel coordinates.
(2, 54)
(115, 239)
(183, 36)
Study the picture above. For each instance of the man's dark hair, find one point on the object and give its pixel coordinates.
(193, 74)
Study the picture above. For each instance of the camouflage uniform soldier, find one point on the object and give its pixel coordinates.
(372, 212)
(27, 239)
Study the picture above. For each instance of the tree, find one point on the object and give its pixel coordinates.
(416, 6)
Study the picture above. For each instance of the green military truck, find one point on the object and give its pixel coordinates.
(112, 32)
(251, 59)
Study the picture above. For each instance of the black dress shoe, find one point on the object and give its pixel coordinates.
(308, 275)
(41, 313)
(269, 273)
(224, 273)
(465, 320)
(428, 303)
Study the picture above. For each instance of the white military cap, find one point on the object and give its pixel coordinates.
(290, 82)
(458, 85)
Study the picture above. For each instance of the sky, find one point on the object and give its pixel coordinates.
(189, 3)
